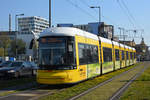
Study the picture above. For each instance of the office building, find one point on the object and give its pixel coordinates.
(34, 23)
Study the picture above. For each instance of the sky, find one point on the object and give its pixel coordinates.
(128, 14)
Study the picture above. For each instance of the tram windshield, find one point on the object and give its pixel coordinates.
(56, 52)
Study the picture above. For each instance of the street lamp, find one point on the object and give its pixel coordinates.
(50, 18)
(99, 11)
(16, 20)
(16, 29)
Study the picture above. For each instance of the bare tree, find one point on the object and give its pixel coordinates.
(5, 42)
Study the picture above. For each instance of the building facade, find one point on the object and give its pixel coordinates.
(34, 23)
(142, 51)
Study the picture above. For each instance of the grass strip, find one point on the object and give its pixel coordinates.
(139, 89)
(79, 88)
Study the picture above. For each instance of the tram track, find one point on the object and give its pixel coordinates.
(117, 95)
(33, 93)
(22, 90)
(109, 81)
(46, 94)
(18, 87)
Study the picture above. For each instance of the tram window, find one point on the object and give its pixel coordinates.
(88, 54)
(107, 54)
(122, 55)
(127, 55)
(82, 54)
(117, 54)
(70, 54)
(134, 55)
(92, 53)
(130, 55)
(56, 51)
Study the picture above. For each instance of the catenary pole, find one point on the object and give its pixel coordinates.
(50, 18)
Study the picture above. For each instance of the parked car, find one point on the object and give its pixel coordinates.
(5, 64)
(33, 66)
(1, 60)
(17, 69)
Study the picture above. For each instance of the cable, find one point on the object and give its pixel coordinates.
(125, 13)
(86, 4)
(132, 17)
(129, 13)
(75, 5)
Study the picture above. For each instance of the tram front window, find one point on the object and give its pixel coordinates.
(53, 53)
(52, 56)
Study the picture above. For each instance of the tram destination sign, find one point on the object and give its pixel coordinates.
(51, 40)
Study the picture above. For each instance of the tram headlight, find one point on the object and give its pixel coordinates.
(11, 71)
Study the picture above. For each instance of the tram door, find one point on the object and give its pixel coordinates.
(93, 66)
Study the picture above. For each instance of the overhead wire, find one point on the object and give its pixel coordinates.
(81, 9)
(129, 19)
(86, 4)
(129, 12)
(123, 7)
(131, 16)
(107, 18)
(110, 21)
(89, 14)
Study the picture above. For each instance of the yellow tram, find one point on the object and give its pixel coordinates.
(69, 55)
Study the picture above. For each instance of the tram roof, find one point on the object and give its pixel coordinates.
(67, 31)
(130, 48)
(115, 43)
(126, 47)
(71, 31)
(105, 40)
(121, 45)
